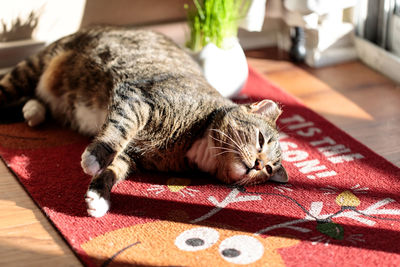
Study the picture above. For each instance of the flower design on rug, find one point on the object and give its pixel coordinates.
(326, 224)
(357, 189)
(174, 185)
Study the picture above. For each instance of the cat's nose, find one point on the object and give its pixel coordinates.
(259, 164)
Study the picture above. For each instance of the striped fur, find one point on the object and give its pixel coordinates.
(148, 107)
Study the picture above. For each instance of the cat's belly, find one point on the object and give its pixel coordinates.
(149, 158)
(163, 162)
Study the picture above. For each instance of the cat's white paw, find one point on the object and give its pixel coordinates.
(97, 206)
(34, 112)
(89, 163)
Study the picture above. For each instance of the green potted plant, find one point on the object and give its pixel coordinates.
(213, 40)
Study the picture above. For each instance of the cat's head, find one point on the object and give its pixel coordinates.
(246, 146)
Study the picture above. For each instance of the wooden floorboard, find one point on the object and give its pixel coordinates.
(357, 99)
(26, 237)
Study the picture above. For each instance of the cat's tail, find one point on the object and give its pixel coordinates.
(21, 81)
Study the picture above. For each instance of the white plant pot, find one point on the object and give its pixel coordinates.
(225, 69)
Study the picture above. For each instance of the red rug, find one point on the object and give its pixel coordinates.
(340, 208)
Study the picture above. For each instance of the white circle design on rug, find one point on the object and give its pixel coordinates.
(241, 249)
(197, 239)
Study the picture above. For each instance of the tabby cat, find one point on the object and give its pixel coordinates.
(149, 107)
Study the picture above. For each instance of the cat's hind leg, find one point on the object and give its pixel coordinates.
(98, 195)
(127, 114)
(34, 112)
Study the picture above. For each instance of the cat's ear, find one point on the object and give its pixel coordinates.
(280, 176)
(267, 108)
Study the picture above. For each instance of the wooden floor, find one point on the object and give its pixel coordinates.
(355, 98)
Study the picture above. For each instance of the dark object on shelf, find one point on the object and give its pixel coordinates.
(297, 51)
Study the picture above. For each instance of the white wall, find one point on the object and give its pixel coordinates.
(58, 18)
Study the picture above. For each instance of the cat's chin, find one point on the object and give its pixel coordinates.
(239, 174)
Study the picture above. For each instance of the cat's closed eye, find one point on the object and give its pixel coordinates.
(261, 140)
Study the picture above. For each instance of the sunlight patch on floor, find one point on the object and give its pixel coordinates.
(339, 106)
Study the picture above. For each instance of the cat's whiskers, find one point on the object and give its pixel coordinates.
(223, 142)
(227, 136)
(221, 147)
(240, 140)
(246, 154)
(247, 180)
(223, 152)
(242, 147)
(239, 144)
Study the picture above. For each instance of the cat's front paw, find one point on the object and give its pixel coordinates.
(96, 157)
(97, 206)
(89, 163)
